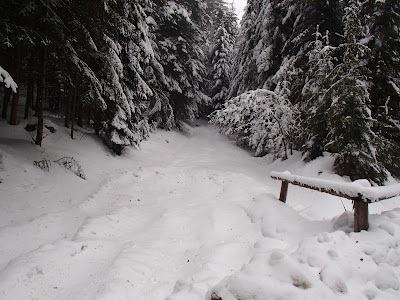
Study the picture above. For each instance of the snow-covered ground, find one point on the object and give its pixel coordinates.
(188, 216)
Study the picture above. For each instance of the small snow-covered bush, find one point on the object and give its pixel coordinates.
(259, 119)
(44, 164)
(71, 164)
(67, 162)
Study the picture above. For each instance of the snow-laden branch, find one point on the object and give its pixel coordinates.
(260, 119)
(8, 80)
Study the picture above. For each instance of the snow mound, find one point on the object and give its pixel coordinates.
(331, 264)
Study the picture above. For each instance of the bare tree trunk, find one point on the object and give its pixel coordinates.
(68, 106)
(31, 86)
(73, 106)
(29, 95)
(41, 96)
(80, 113)
(38, 93)
(97, 121)
(7, 92)
(15, 97)
(6, 100)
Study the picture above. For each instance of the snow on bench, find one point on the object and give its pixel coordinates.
(360, 191)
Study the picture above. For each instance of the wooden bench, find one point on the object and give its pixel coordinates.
(359, 191)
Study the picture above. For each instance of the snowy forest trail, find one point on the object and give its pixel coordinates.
(169, 221)
(176, 213)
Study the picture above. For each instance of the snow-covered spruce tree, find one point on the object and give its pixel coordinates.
(273, 33)
(159, 112)
(224, 29)
(299, 21)
(127, 92)
(313, 106)
(253, 49)
(384, 65)
(282, 80)
(260, 120)
(179, 52)
(349, 120)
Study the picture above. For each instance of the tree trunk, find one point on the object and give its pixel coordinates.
(38, 91)
(15, 97)
(68, 106)
(80, 113)
(6, 100)
(97, 121)
(7, 92)
(73, 106)
(31, 86)
(29, 96)
(41, 96)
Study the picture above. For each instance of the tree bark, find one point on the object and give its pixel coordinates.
(80, 113)
(6, 100)
(41, 96)
(73, 106)
(38, 92)
(7, 92)
(97, 121)
(15, 97)
(31, 86)
(68, 106)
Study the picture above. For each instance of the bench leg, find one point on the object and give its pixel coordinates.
(284, 190)
(360, 215)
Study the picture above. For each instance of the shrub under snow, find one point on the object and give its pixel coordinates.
(259, 119)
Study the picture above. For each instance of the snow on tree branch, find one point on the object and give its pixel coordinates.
(260, 119)
(8, 80)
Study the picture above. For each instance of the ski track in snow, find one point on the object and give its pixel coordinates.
(172, 217)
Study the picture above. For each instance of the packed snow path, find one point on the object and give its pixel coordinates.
(172, 213)
(171, 220)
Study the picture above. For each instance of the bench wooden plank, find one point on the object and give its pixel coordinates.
(348, 190)
(361, 195)
(319, 189)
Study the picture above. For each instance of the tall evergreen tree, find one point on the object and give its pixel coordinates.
(384, 66)
(181, 57)
(349, 119)
(314, 107)
(126, 89)
(224, 29)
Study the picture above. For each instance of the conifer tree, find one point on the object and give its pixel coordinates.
(349, 119)
(220, 54)
(384, 66)
(126, 89)
(314, 122)
(254, 50)
(181, 57)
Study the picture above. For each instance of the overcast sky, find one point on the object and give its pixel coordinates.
(240, 4)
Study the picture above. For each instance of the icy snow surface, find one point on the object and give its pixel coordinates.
(188, 215)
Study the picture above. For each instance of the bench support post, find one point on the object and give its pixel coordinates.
(284, 190)
(360, 215)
